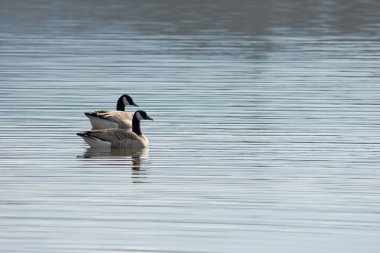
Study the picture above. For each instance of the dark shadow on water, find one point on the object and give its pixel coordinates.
(110, 156)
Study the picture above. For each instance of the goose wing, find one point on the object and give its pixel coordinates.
(123, 119)
(111, 135)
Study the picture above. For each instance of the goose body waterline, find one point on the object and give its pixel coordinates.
(113, 119)
(119, 138)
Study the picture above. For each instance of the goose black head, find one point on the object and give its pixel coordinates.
(142, 115)
(123, 101)
(127, 100)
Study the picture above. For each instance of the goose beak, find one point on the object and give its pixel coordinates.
(149, 118)
(135, 105)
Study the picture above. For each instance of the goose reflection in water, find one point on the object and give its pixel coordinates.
(137, 158)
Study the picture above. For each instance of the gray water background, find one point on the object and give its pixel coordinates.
(265, 135)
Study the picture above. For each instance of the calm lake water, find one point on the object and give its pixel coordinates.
(266, 131)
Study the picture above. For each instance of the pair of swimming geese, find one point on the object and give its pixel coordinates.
(116, 129)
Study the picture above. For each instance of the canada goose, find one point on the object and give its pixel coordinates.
(119, 138)
(113, 119)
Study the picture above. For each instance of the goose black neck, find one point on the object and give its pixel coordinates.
(136, 125)
(120, 104)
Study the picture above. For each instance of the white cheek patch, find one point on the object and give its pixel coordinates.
(139, 117)
(125, 101)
